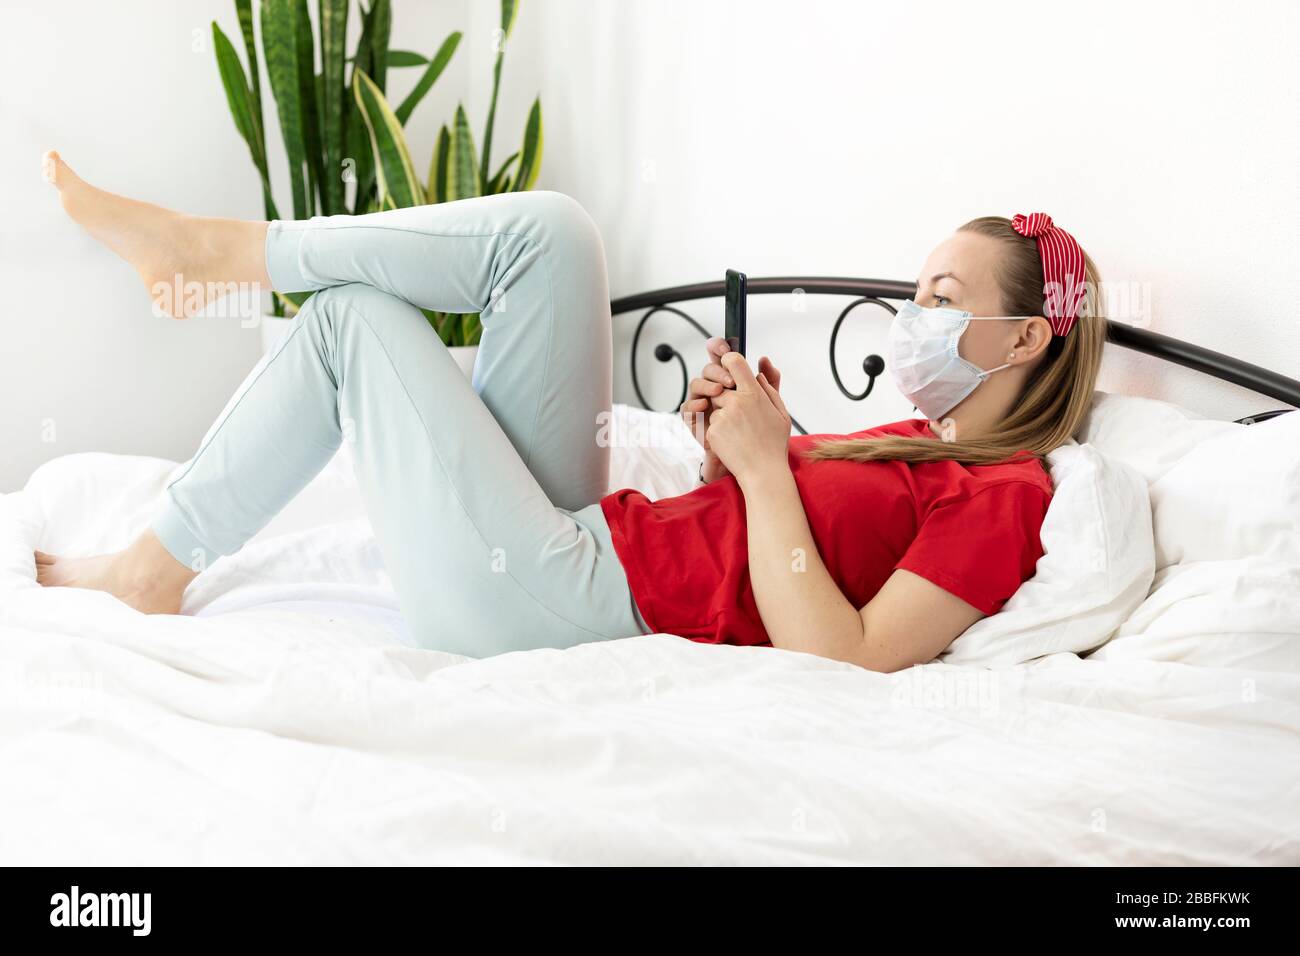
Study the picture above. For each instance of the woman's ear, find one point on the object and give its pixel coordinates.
(1033, 339)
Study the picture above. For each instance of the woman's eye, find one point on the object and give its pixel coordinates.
(940, 301)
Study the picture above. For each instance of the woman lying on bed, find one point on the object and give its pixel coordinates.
(489, 502)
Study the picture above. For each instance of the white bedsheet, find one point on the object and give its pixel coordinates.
(283, 720)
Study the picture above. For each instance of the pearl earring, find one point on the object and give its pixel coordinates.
(1011, 357)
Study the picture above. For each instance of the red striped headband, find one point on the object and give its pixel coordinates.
(1064, 278)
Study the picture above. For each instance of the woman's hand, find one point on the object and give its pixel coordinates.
(749, 428)
(697, 410)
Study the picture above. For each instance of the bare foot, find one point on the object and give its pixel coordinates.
(184, 261)
(144, 576)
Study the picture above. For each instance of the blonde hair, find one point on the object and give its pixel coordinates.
(1056, 396)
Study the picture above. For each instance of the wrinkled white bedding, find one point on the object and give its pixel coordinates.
(285, 719)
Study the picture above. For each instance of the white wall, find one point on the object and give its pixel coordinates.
(847, 138)
(778, 137)
(129, 93)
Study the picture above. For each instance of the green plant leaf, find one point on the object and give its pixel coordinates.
(356, 139)
(236, 87)
(244, 10)
(432, 318)
(491, 118)
(291, 302)
(496, 182)
(357, 149)
(530, 162)
(334, 99)
(456, 328)
(443, 323)
(438, 166)
(398, 185)
(462, 163)
(471, 329)
(238, 98)
(508, 10)
(363, 58)
(491, 122)
(436, 66)
(279, 41)
(304, 52)
(381, 28)
(400, 58)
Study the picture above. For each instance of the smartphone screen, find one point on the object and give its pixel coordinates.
(734, 324)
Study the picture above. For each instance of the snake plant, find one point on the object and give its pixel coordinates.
(339, 133)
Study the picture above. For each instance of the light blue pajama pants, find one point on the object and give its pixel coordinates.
(484, 499)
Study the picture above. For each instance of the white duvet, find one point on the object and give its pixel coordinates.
(285, 719)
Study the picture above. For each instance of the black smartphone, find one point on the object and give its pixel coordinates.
(734, 326)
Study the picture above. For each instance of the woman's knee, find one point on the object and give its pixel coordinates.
(337, 316)
(561, 223)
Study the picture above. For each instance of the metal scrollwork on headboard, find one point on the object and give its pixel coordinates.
(666, 353)
(663, 351)
(867, 291)
(873, 365)
(876, 291)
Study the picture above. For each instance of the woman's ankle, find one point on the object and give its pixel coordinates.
(150, 565)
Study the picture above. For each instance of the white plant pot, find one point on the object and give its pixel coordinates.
(274, 328)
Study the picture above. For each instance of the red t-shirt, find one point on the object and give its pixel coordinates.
(970, 529)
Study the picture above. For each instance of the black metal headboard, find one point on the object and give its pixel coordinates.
(880, 291)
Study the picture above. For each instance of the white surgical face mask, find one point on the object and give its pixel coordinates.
(924, 360)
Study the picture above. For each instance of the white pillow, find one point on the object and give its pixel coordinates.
(1241, 613)
(1227, 543)
(1233, 496)
(653, 452)
(1096, 567)
(1149, 435)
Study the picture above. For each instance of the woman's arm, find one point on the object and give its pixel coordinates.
(802, 607)
(909, 621)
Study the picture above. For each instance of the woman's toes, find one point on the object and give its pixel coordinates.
(47, 571)
(55, 170)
